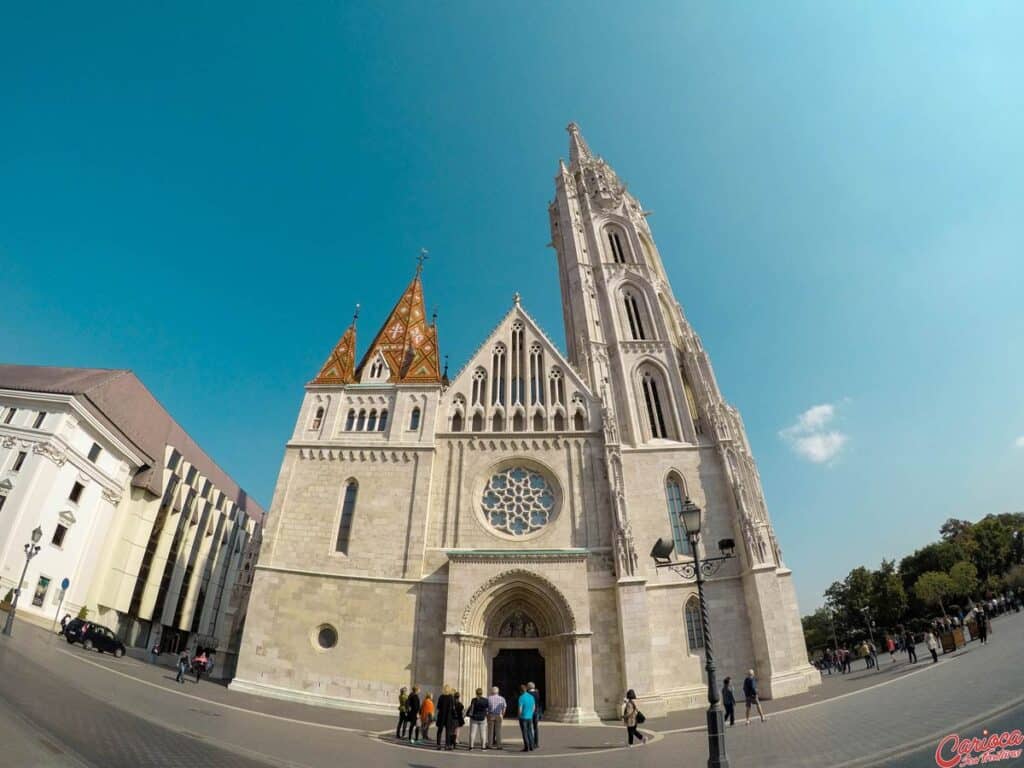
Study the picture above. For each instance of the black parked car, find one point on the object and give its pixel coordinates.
(93, 637)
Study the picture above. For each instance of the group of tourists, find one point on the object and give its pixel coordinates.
(200, 663)
(417, 712)
(750, 696)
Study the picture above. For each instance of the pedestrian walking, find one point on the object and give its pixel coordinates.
(526, 706)
(412, 714)
(750, 692)
(154, 653)
(982, 627)
(729, 701)
(532, 689)
(183, 666)
(426, 716)
(496, 706)
(910, 644)
(403, 700)
(445, 715)
(478, 708)
(458, 720)
(890, 646)
(933, 645)
(64, 622)
(199, 664)
(632, 717)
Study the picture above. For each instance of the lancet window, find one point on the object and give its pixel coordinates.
(653, 391)
(633, 316)
(557, 386)
(348, 510)
(479, 394)
(694, 628)
(498, 374)
(518, 356)
(318, 419)
(616, 244)
(674, 495)
(536, 375)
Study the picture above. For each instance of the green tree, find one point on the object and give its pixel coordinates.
(1015, 577)
(964, 579)
(953, 529)
(933, 587)
(938, 556)
(817, 631)
(888, 597)
(995, 542)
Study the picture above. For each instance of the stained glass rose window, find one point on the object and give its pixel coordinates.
(518, 501)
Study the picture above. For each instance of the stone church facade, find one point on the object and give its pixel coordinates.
(494, 528)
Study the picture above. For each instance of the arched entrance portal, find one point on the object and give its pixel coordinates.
(519, 628)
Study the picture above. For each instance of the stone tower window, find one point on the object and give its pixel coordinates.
(361, 421)
(633, 316)
(518, 501)
(478, 421)
(382, 422)
(559, 421)
(616, 247)
(414, 418)
(655, 409)
(557, 385)
(348, 510)
(536, 375)
(694, 628)
(498, 375)
(318, 419)
(350, 420)
(457, 422)
(371, 424)
(674, 495)
(479, 387)
(518, 355)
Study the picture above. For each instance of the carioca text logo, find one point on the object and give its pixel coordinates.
(987, 748)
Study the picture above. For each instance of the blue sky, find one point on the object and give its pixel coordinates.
(202, 193)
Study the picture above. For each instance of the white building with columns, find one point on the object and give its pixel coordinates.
(152, 535)
(494, 528)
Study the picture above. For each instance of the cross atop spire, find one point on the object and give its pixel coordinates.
(578, 149)
(424, 255)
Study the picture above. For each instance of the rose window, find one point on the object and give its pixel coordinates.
(518, 501)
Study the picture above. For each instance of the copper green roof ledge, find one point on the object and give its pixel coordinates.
(517, 552)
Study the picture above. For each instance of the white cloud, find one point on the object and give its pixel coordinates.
(1019, 442)
(811, 438)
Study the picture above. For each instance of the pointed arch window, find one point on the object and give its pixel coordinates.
(691, 405)
(383, 421)
(378, 369)
(361, 421)
(559, 422)
(518, 422)
(634, 316)
(348, 510)
(579, 421)
(694, 628)
(655, 407)
(478, 422)
(457, 422)
(518, 358)
(479, 394)
(371, 424)
(318, 418)
(536, 375)
(498, 375)
(350, 420)
(557, 387)
(674, 495)
(498, 423)
(414, 418)
(616, 244)
(538, 422)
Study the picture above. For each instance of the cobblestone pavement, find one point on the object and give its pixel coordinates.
(90, 709)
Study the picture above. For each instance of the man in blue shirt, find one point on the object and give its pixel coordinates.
(527, 706)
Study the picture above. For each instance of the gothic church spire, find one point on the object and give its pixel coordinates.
(578, 149)
(340, 367)
(406, 341)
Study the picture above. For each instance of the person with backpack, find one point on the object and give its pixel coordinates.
(458, 720)
(632, 717)
(478, 719)
(526, 706)
(750, 692)
(426, 716)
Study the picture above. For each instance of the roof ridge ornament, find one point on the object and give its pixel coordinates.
(423, 256)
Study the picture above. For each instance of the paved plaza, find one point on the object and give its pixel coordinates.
(63, 706)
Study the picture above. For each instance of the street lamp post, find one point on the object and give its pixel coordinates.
(31, 550)
(690, 516)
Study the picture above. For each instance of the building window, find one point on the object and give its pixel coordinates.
(10, 415)
(327, 637)
(518, 501)
(478, 422)
(378, 369)
(559, 424)
(94, 452)
(361, 421)
(498, 375)
(58, 535)
(694, 628)
(348, 510)
(616, 246)
(536, 375)
(457, 422)
(655, 411)
(538, 422)
(40, 418)
(318, 418)
(76, 492)
(371, 424)
(674, 494)
(350, 420)
(42, 587)
(479, 387)
(498, 423)
(19, 461)
(636, 324)
(382, 422)
(414, 419)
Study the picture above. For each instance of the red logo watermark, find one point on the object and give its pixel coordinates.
(987, 748)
